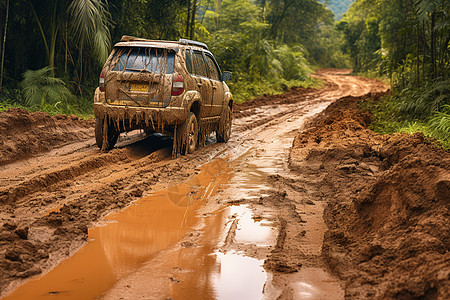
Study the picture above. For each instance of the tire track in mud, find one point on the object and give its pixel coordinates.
(59, 196)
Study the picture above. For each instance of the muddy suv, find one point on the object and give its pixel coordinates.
(174, 88)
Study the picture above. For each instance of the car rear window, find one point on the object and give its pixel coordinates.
(136, 59)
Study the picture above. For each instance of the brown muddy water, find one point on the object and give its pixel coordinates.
(217, 268)
(127, 239)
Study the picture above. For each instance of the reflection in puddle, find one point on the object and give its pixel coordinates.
(316, 283)
(130, 238)
(252, 183)
(239, 277)
(305, 291)
(249, 230)
(221, 274)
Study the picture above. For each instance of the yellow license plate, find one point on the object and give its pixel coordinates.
(139, 87)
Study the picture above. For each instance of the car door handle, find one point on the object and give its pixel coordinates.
(199, 84)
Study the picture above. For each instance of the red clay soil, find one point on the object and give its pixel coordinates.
(388, 205)
(246, 108)
(23, 134)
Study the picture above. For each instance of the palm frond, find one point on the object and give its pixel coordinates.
(424, 8)
(90, 21)
(39, 88)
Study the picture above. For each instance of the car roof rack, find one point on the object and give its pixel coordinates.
(193, 43)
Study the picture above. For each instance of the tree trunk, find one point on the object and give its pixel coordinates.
(3, 46)
(418, 54)
(44, 39)
(53, 35)
(424, 50)
(193, 14)
(66, 55)
(433, 45)
(188, 19)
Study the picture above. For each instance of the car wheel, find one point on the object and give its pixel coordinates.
(112, 135)
(224, 132)
(192, 133)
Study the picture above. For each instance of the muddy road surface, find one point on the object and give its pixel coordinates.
(242, 220)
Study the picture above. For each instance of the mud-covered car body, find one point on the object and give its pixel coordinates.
(174, 88)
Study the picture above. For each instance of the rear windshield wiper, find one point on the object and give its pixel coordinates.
(139, 70)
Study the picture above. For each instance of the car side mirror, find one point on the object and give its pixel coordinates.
(226, 76)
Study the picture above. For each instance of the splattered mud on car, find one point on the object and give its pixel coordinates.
(174, 88)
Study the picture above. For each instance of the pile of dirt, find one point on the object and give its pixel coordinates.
(388, 204)
(23, 134)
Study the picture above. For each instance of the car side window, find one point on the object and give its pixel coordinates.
(199, 64)
(188, 61)
(212, 68)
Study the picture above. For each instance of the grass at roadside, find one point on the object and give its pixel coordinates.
(81, 107)
(388, 119)
(243, 91)
(86, 115)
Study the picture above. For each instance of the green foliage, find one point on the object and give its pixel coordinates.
(42, 91)
(326, 51)
(424, 101)
(389, 119)
(89, 23)
(10, 98)
(440, 123)
(41, 88)
(409, 42)
(269, 45)
(292, 63)
(154, 19)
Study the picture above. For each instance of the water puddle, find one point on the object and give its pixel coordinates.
(207, 273)
(238, 277)
(315, 283)
(128, 239)
(251, 229)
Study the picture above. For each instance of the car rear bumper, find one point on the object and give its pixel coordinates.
(129, 118)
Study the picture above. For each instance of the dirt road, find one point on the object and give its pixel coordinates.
(240, 220)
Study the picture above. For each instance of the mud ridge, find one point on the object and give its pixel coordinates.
(388, 199)
(43, 181)
(23, 134)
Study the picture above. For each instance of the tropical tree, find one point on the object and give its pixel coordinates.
(86, 20)
(4, 44)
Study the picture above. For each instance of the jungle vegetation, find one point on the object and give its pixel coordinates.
(52, 51)
(408, 42)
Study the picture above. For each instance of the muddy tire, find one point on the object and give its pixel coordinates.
(224, 131)
(192, 133)
(112, 135)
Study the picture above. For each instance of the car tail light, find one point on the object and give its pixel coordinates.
(101, 83)
(177, 85)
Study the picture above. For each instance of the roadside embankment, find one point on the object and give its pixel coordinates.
(388, 204)
(23, 134)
